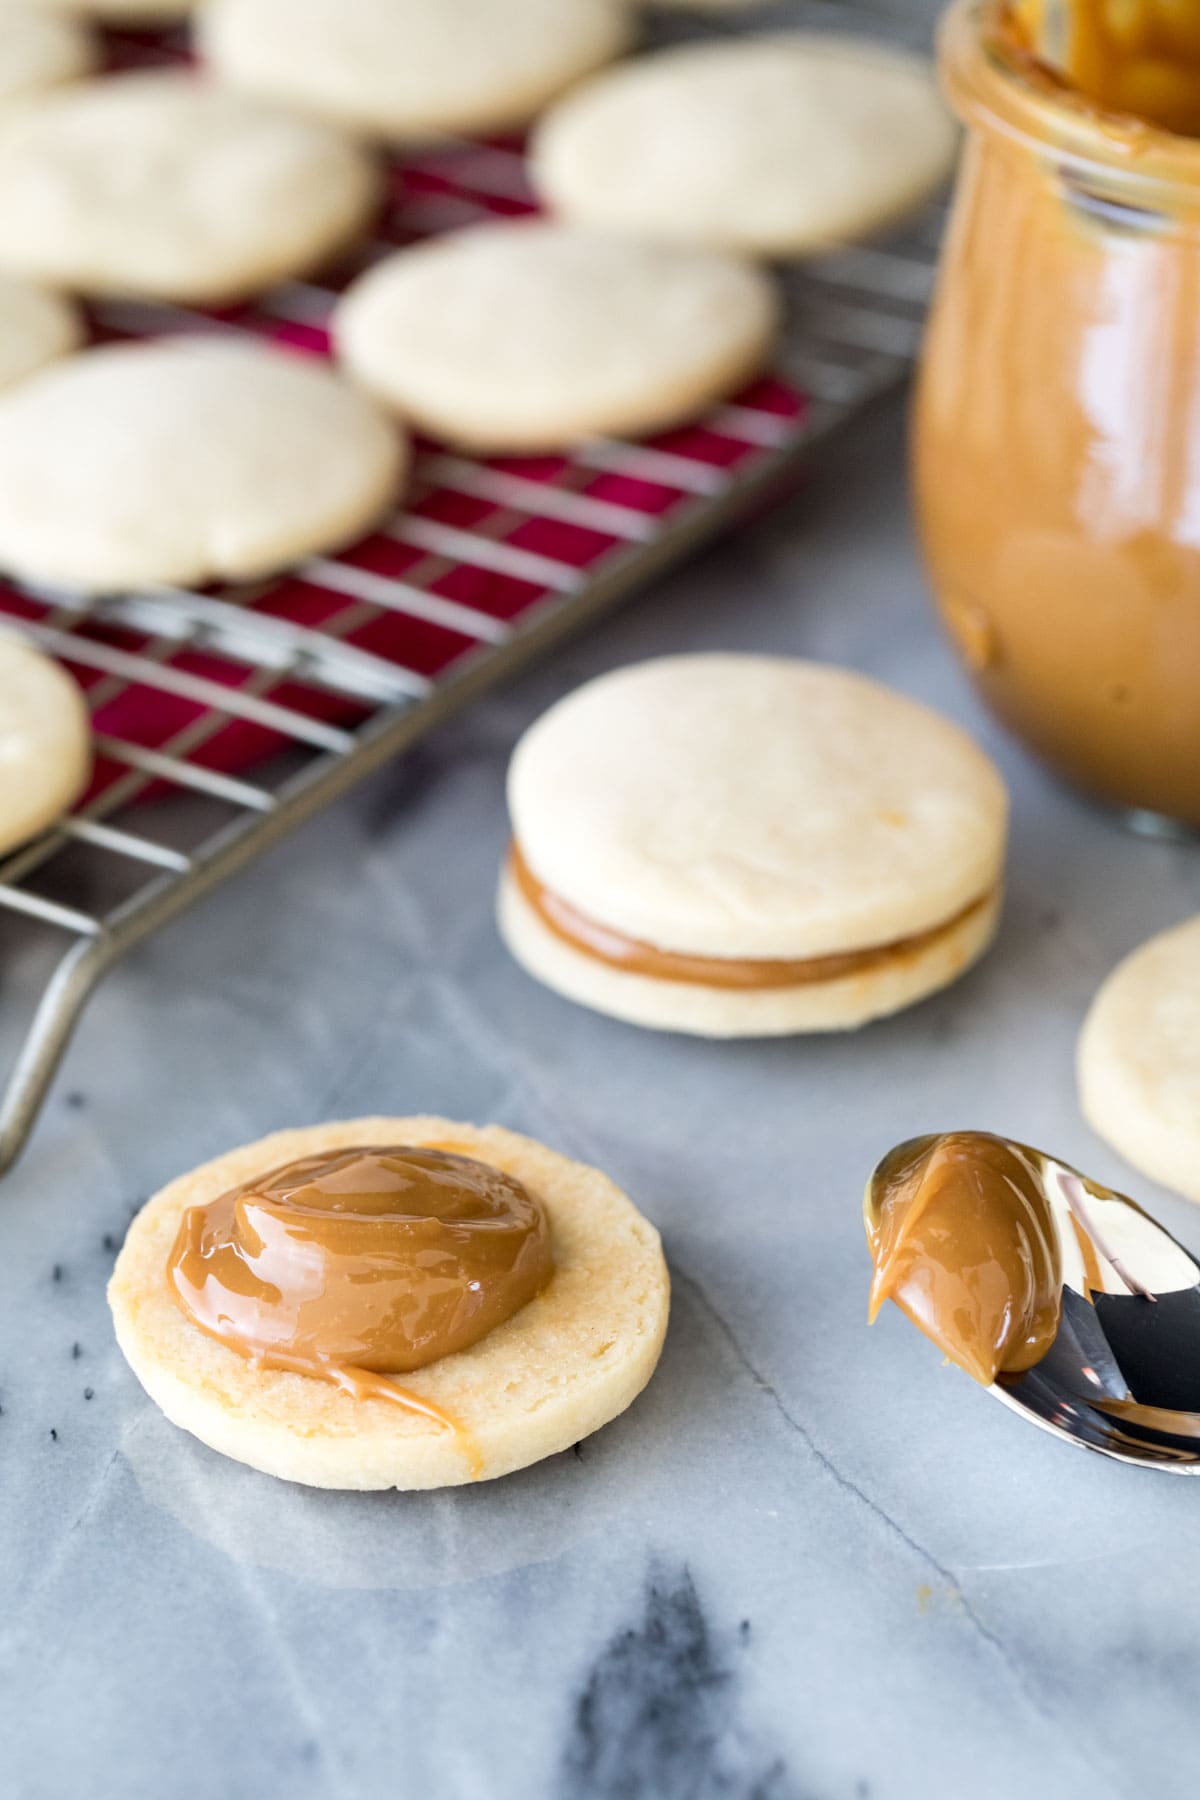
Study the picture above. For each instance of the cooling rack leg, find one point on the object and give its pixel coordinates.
(46, 1041)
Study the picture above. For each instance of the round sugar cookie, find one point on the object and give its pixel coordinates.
(45, 743)
(772, 146)
(1139, 1059)
(183, 461)
(114, 11)
(36, 327)
(166, 187)
(529, 337)
(412, 69)
(567, 1363)
(117, 12)
(40, 49)
(729, 809)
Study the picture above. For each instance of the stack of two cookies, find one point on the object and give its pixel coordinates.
(745, 845)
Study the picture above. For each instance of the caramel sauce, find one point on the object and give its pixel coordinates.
(363, 1263)
(1057, 442)
(1138, 57)
(635, 957)
(963, 1241)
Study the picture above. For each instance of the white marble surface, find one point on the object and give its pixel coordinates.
(811, 1563)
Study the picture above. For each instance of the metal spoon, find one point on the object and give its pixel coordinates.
(1122, 1373)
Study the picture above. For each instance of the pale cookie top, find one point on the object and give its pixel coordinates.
(39, 49)
(754, 806)
(45, 742)
(518, 336)
(770, 145)
(185, 460)
(165, 186)
(1139, 1058)
(35, 328)
(118, 12)
(403, 69)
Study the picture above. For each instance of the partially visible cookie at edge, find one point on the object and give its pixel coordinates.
(1139, 1059)
(41, 49)
(186, 460)
(36, 327)
(45, 742)
(164, 186)
(404, 70)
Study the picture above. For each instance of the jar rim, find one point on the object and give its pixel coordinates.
(991, 80)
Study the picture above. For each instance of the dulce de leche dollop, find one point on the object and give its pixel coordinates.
(963, 1241)
(363, 1263)
(1057, 440)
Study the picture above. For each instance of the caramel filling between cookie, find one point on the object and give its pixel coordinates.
(635, 957)
(361, 1264)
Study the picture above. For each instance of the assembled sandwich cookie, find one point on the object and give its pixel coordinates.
(391, 1303)
(749, 845)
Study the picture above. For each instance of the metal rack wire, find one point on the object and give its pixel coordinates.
(256, 708)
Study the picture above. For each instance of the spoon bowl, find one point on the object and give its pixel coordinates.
(1121, 1373)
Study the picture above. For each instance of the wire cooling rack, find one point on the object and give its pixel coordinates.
(225, 718)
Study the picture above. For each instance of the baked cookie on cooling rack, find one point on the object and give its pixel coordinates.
(186, 460)
(517, 1302)
(40, 49)
(122, 12)
(167, 187)
(770, 145)
(36, 327)
(527, 337)
(1139, 1059)
(741, 846)
(409, 69)
(45, 743)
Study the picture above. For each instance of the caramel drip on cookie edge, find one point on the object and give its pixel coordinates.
(633, 956)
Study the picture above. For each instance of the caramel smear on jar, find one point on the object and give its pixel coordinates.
(964, 1241)
(1138, 57)
(362, 1264)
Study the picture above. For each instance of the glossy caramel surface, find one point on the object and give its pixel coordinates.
(963, 1241)
(636, 957)
(1139, 57)
(371, 1261)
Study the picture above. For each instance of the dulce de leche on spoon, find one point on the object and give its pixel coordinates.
(1065, 1299)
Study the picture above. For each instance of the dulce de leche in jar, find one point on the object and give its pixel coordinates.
(1057, 439)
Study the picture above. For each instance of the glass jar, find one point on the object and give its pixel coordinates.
(1057, 433)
